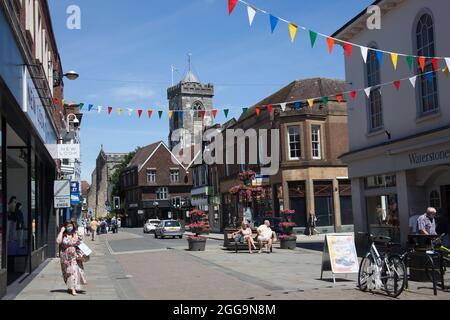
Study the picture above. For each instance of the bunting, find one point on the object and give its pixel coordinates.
(150, 113)
(81, 106)
(446, 71)
(348, 49)
(251, 14)
(283, 107)
(292, 31)
(110, 109)
(99, 109)
(214, 113)
(231, 5)
(394, 58)
(258, 111)
(312, 37)
(90, 107)
(422, 63)
(413, 81)
(397, 84)
(353, 95)
(226, 112)
(130, 111)
(170, 115)
(435, 63)
(140, 113)
(410, 61)
(119, 111)
(380, 57)
(160, 113)
(367, 91)
(270, 108)
(364, 53)
(273, 22)
(330, 42)
(310, 103)
(325, 100)
(339, 98)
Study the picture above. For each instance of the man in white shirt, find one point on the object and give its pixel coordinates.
(265, 234)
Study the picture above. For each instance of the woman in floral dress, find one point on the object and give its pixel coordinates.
(71, 263)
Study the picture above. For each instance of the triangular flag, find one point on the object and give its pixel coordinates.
(413, 81)
(435, 63)
(160, 113)
(310, 103)
(251, 14)
(119, 111)
(283, 106)
(292, 31)
(63, 102)
(244, 110)
(446, 71)
(90, 107)
(364, 52)
(140, 113)
(99, 109)
(214, 113)
(203, 114)
(130, 111)
(397, 84)
(447, 61)
(170, 114)
(110, 109)
(330, 42)
(270, 108)
(394, 57)
(226, 112)
(339, 98)
(297, 105)
(273, 22)
(422, 63)
(81, 105)
(231, 6)
(430, 76)
(55, 101)
(367, 91)
(380, 57)
(353, 95)
(150, 113)
(410, 61)
(325, 101)
(312, 37)
(348, 49)
(180, 115)
(258, 111)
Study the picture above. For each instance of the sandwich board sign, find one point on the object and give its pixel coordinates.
(62, 194)
(339, 255)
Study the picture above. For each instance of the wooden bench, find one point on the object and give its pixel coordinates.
(231, 244)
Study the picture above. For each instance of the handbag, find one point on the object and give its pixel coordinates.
(84, 249)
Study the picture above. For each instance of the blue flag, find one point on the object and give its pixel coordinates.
(273, 22)
(180, 115)
(380, 57)
(430, 76)
(90, 107)
(297, 105)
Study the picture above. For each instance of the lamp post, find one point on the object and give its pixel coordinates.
(58, 78)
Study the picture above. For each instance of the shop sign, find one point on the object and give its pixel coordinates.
(75, 193)
(430, 157)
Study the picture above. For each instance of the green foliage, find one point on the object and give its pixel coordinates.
(115, 179)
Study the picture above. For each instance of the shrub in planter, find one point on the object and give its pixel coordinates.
(288, 239)
(199, 226)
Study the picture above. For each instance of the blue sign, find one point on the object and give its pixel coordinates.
(75, 193)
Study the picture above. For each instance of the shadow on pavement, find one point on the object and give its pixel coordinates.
(316, 246)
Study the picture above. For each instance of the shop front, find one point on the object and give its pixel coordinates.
(27, 220)
(394, 184)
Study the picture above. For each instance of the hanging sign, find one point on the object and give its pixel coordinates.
(61, 192)
(339, 254)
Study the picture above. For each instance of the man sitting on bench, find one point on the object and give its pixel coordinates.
(265, 235)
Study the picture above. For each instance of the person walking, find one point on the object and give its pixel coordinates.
(312, 224)
(71, 266)
(94, 226)
(20, 225)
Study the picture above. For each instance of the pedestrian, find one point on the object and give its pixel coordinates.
(426, 224)
(71, 265)
(20, 225)
(87, 227)
(312, 224)
(94, 227)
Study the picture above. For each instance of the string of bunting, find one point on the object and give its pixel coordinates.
(331, 41)
(298, 104)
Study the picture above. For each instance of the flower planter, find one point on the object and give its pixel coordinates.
(288, 244)
(197, 245)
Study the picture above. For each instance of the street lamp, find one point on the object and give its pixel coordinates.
(71, 75)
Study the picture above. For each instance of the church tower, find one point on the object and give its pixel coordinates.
(190, 97)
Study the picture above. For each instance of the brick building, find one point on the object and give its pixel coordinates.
(155, 186)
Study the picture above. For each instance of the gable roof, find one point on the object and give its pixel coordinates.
(143, 154)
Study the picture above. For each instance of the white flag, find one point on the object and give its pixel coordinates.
(364, 52)
(447, 60)
(413, 81)
(130, 111)
(283, 106)
(99, 109)
(251, 14)
(367, 91)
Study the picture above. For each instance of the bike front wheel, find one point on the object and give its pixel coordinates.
(394, 276)
(366, 270)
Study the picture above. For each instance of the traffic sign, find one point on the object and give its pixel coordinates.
(61, 192)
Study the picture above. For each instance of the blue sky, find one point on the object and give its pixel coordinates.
(124, 51)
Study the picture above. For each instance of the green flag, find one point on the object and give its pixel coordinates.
(244, 110)
(226, 111)
(81, 106)
(410, 61)
(313, 37)
(325, 100)
(160, 113)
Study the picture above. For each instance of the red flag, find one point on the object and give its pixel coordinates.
(330, 42)
(110, 110)
(435, 62)
(339, 98)
(348, 49)
(214, 113)
(353, 94)
(203, 113)
(55, 101)
(258, 111)
(397, 84)
(140, 113)
(231, 5)
(422, 63)
(270, 108)
(150, 112)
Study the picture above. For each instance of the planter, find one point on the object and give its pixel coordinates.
(288, 244)
(197, 245)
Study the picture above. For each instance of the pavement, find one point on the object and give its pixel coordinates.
(133, 266)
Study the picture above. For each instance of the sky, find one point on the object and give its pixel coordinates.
(125, 49)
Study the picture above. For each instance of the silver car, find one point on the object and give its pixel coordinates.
(169, 228)
(150, 225)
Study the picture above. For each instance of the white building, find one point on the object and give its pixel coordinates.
(399, 159)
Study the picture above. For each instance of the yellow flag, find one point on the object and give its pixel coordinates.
(292, 31)
(394, 57)
(170, 114)
(310, 103)
(119, 111)
(445, 71)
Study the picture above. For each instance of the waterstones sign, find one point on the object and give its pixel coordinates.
(430, 157)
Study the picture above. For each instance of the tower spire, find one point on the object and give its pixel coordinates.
(189, 61)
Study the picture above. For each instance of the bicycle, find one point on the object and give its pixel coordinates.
(442, 253)
(383, 271)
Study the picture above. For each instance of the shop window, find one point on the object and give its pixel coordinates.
(324, 203)
(382, 181)
(435, 199)
(383, 216)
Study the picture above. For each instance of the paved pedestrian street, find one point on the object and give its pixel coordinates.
(133, 266)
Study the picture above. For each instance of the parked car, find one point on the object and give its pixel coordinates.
(169, 228)
(274, 223)
(150, 225)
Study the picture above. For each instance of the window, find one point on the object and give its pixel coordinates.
(378, 182)
(295, 152)
(175, 176)
(427, 84)
(151, 176)
(375, 103)
(316, 147)
(198, 107)
(162, 193)
(435, 199)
